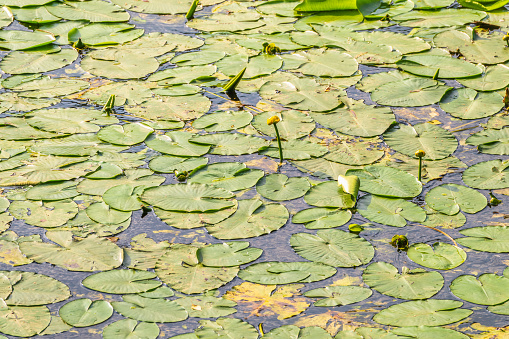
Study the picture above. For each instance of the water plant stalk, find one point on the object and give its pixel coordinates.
(108, 108)
(229, 88)
(273, 121)
(192, 9)
(420, 154)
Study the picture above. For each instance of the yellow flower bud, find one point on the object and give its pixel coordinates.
(420, 153)
(273, 120)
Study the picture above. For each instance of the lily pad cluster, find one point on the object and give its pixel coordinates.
(125, 168)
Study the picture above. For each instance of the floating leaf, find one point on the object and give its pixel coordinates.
(410, 284)
(23, 321)
(488, 289)
(252, 219)
(428, 332)
(34, 62)
(124, 198)
(226, 327)
(431, 312)
(232, 176)
(492, 174)
(440, 256)
(329, 194)
(127, 135)
(493, 239)
(102, 213)
(449, 198)
(333, 247)
(93, 11)
(20, 40)
(126, 328)
(292, 124)
(295, 150)
(389, 211)
(279, 187)
(467, 103)
(176, 143)
(121, 281)
(230, 144)
(49, 214)
(207, 306)
(277, 273)
(85, 312)
(223, 121)
(32, 289)
(150, 310)
(491, 141)
(267, 300)
(338, 295)
(87, 255)
(321, 217)
(228, 254)
(437, 142)
(409, 92)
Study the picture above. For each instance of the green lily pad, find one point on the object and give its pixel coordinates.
(329, 194)
(449, 198)
(440, 256)
(491, 141)
(105, 34)
(437, 142)
(21, 321)
(431, 312)
(467, 103)
(20, 40)
(441, 18)
(488, 289)
(295, 150)
(121, 281)
(493, 78)
(230, 144)
(150, 310)
(447, 67)
(387, 181)
(333, 247)
(492, 174)
(338, 295)
(409, 92)
(50, 87)
(354, 153)
(170, 164)
(123, 198)
(85, 312)
(494, 239)
(410, 284)
(93, 11)
(226, 327)
(207, 306)
(292, 124)
(126, 135)
(322, 217)
(176, 143)
(126, 328)
(48, 214)
(389, 211)
(428, 332)
(186, 220)
(188, 198)
(35, 62)
(228, 254)
(223, 121)
(279, 187)
(252, 219)
(102, 213)
(276, 273)
(67, 120)
(232, 176)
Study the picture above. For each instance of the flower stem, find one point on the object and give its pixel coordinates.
(279, 144)
(420, 169)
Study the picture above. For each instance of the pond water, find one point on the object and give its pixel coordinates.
(444, 87)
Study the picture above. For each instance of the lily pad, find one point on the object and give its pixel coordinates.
(279, 187)
(440, 256)
(492, 174)
(292, 124)
(409, 284)
(232, 176)
(176, 143)
(389, 211)
(467, 103)
(410, 92)
(329, 194)
(437, 142)
(32, 289)
(170, 164)
(338, 295)
(228, 254)
(23, 62)
(229, 144)
(493, 239)
(223, 121)
(322, 217)
(21, 321)
(488, 289)
(295, 150)
(121, 281)
(491, 141)
(150, 310)
(354, 153)
(126, 135)
(449, 198)
(85, 312)
(126, 328)
(207, 306)
(333, 247)
(252, 219)
(277, 273)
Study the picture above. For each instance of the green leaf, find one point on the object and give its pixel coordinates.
(87, 255)
(448, 67)
(170, 164)
(466, 103)
(409, 92)
(36, 62)
(387, 181)
(105, 34)
(207, 306)
(292, 124)
(449, 198)
(441, 18)
(228, 254)
(491, 141)
(186, 220)
(494, 239)
(389, 211)
(176, 143)
(492, 174)
(103, 213)
(155, 6)
(482, 5)
(182, 75)
(150, 310)
(121, 281)
(134, 177)
(431, 312)
(232, 176)
(277, 273)
(122, 65)
(252, 219)
(426, 332)
(127, 135)
(23, 321)
(338, 295)
(188, 198)
(321, 217)
(230, 144)
(493, 78)
(333, 247)
(279, 187)
(295, 150)
(93, 11)
(488, 289)
(440, 256)
(20, 40)
(50, 87)
(129, 328)
(222, 121)
(48, 214)
(32, 289)
(356, 118)
(226, 328)
(180, 268)
(438, 143)
(85, 312)
(124, 198)
(329, 194)
(410, 284)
